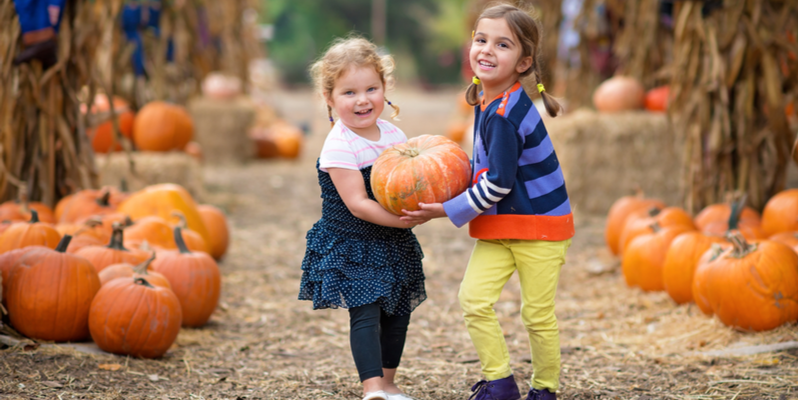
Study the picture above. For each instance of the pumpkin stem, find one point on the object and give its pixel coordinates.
(143, 282)
(141, 269)
(653, 211)
(103, 200)
(737, 206)
(63, 244)
(123, 185)
(116, 238)
(180, 242)
(740, 246)
(34, 216)
(410, 152)
(655, 226)
(183, 224)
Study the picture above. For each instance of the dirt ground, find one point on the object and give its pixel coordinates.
(261, 343)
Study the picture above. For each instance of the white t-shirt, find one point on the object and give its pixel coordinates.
(343, 148)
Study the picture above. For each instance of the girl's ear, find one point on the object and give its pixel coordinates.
(328, 101)
(523, 64)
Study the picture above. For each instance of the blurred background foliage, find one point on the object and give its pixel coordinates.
(425, 37)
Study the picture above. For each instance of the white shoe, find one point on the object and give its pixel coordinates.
(379, 395)
(398, 396)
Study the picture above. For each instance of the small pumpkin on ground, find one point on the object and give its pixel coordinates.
(130, 316)
(426, 169)
(619, 212)
(162, 200)
(643, 259)
(114, 253)
(126, 270)
(7, 261)
(195, 279)
(20, 210)
(152, 229)
(193, 240)
(780, 213)
(49, 294)
(752, 287)
(30, 233)
(217, 225)
(682, 257)
(87, 203)
(718, 219)
(637, 224)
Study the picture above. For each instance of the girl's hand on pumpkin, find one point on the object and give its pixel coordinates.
(424, 214)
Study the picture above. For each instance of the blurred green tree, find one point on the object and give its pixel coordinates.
(424, 32)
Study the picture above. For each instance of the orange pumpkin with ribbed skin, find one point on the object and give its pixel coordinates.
(102, 134)
(721, 212)
(161, 126)
(780, 213)
(49, 294)
(195, 279)
(619, 213)
(752, 287)
(681, 260)
(643, 259)
(81, 241)
(130, 316)
(426, 169)
(126, 270)
(162, 200)
(7, 261)
(787, 238)
(30, 233)
(637, 225)
(17, 211)
(193, 240)
(114, 253)
(87, 203)
(152, 229)
(217, 225)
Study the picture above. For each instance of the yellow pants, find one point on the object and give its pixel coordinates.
(490, 266)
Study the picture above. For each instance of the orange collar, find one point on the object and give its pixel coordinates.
(513, 88)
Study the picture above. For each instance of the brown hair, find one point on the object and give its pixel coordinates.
(346, 52)
(527, 30)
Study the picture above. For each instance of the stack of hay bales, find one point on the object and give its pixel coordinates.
(607, 156)
(221, 127)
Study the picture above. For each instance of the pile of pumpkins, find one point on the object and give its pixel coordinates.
(158, 126)
(127, 270)
(625, 93)
(728, 259)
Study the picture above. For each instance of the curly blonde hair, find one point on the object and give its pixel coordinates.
(344, 53)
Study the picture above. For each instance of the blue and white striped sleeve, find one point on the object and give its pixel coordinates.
(494, 182)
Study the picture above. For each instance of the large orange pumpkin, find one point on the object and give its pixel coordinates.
(619, 212)
(620, 93)
(126, 270)
(426, 169)
(718, 219)
(49, 294)
(102, 135)
(162, 200)
(217, 225)
(195, 279)
(752, 287)
(161, 126)
(681, 260)
(87, 203)
(780, 213)
(114, 253)
(30, 233)
(132, 317)
(7, 261)
(643, 259)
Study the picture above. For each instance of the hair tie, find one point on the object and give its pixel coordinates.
(475, 80)
(330, 118)
(541, 87)
(388, 102)
(473, 34)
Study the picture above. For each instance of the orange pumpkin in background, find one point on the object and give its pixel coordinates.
(16, 210)
(161, 126)
(280, 139)
(619, 213)
(752, 287)
(682, 257)
(29, 233)
(780, 213)
(162, 200)
(102, 135)
(50, 292)
(217, 225)
(619, 93)
(7, 261)
(456, 130)
(637, 224)
(643, 259)
(113, 253)
(126, 270)
(787, 238)
(426, 169)
(657, 99)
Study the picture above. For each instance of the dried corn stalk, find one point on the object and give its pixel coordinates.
(643, 46)
(735, 73)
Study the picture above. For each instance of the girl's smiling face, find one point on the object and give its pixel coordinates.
(357, 97)
(495, 56)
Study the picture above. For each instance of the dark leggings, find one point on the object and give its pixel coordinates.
(373, 333)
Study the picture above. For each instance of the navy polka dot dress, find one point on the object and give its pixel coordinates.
(350, 262)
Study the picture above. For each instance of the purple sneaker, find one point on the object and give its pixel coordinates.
(499, 389)
(544, 394)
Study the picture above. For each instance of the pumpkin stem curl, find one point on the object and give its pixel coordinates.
(143, 282)
(740, 246)
(737, 206)
(116, 238)
(34, 217)
(653, 211)
(63, 244)
(179, 241)
(141, 269)
(182, 223)
(103, 200)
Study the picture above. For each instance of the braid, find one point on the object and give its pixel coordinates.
(550, 103)
(330, 116)
(472, 94)
(395, 108)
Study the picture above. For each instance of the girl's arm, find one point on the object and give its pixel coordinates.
(427, 212)
(350, 185)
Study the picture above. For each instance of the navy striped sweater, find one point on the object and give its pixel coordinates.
(518, 189)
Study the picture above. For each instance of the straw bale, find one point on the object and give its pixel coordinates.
(607, 156)
(221, 129)
(150, 167)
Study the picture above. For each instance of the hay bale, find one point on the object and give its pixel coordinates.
(220, 127)
(607, 156)
(150, 167)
